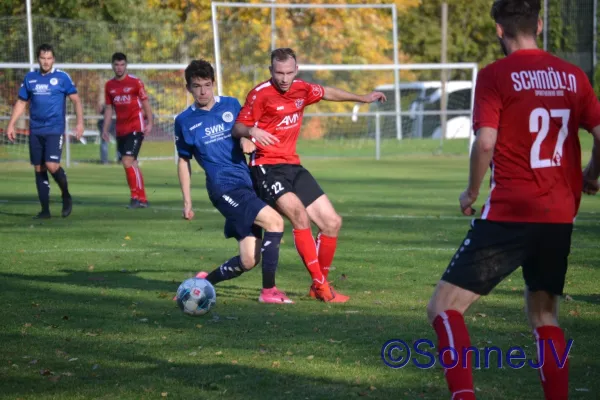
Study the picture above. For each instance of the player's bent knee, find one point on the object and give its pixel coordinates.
(249, 261)
(127, 162)
(334, 224)
(541, 308)
(275, 224)
(52, 167)
(299, 218)
(449, 297)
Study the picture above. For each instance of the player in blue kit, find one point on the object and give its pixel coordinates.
(46, 90)
(203, 131)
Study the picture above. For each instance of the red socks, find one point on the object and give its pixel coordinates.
(305, 245)
(135, 181)
(551, 349)
(326, 246)
(452, 332)
(555, 380)
(132, 181)
(141, 190)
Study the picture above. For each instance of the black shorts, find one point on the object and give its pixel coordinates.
(130, 144)
(493, 250)
(45, 148)
(273, 181)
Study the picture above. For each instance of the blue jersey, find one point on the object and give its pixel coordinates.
(206, 135)
(48, 95)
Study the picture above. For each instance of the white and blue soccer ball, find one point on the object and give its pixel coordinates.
(196, 296)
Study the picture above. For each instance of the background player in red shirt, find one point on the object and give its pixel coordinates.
(127, 95)
(272, 116)
(529, 107)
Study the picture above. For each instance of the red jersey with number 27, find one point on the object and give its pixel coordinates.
(126, 95)
(280, 114)
(537, 102)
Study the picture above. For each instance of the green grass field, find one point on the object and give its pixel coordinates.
(88, 312)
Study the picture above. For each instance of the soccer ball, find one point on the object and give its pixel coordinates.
(196, 296)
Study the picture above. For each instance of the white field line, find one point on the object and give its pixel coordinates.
(345, 215)
(391, 249)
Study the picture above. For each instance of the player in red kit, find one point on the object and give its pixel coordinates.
(529, 107)
(127, 95)
(272, 117)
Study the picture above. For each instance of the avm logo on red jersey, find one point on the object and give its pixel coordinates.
(123, 99)
(289, 119)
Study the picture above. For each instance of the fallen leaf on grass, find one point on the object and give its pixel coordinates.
(90, 268)
(218, 353)
(310, 357)
(198, 326)
(164, 394)
(482, 315)
(127, 238)
(574, 313)
(234, 362)
(73, 359)
(276, 364)
(193, 353)
(45, 372)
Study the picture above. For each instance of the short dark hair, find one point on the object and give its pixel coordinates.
(282, 54)
(517, 16)
(118, 57)
(199, 69)
(45, 48)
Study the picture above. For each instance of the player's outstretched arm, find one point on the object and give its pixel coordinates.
(335, 94)
(481, 157)
(184, 171)
(591, 173)
(79, 113)
(17, 111)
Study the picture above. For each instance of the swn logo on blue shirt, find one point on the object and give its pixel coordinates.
(213, 130)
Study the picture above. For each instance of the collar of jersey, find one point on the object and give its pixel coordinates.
(217, 100)
(39, 71)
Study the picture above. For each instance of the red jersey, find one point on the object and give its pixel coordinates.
(537, 102)
(280, 114)
(126, 96)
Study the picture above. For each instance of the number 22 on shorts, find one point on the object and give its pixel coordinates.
(277, 187)
(539, 122)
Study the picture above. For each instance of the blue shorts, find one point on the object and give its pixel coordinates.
(45, 148)
(240, 208)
